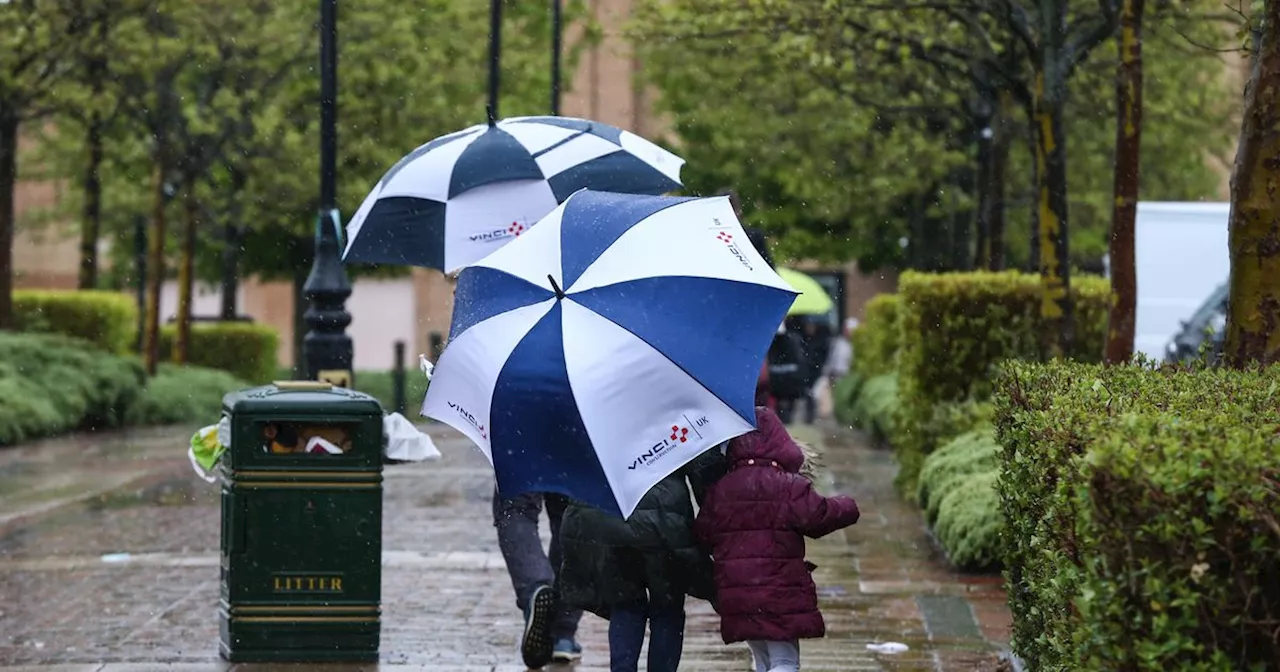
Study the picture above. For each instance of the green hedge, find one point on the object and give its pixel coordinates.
(1142, 521)
(184, 395)
(955, 328)
(958, 495)
(875, 408)
(381, 386)
(109, 320)
(844, 394)
(52, 384)
(245, 350)
(875, 341)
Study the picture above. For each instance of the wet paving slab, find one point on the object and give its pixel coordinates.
(125, 578)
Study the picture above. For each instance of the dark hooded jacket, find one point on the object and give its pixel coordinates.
(650, 558)
(754, 520)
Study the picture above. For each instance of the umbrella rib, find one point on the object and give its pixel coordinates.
(563, 142)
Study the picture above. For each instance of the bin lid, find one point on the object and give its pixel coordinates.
(299, 397)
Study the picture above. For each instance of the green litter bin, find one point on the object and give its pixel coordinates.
(301, 525)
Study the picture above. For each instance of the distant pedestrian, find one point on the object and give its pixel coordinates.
(754, 520)
(637, 571)
(550, 629)
(788, 372)
(841, 359)
(816, 336)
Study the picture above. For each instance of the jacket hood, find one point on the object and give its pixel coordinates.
(769, 441)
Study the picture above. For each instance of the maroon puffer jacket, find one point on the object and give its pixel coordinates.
(754, 521)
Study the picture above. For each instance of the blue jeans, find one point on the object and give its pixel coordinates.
(626, 637)
(528, 565)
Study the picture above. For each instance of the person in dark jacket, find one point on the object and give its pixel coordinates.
(754, 520)
(637, 571)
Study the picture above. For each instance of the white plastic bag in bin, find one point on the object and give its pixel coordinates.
(404, 442)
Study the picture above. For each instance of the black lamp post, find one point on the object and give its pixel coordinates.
(327, 347)
(555, 57)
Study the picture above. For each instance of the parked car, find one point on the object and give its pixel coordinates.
(1208, 324)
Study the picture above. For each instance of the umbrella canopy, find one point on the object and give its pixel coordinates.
(813, 299)
(456, 199)
(613, 342)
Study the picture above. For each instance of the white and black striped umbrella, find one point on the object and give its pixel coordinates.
(456, 199)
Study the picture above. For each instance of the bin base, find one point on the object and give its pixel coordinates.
(299, 642)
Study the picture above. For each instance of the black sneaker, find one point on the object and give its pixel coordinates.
(536, 645)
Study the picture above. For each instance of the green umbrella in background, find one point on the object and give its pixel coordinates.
(813, 299)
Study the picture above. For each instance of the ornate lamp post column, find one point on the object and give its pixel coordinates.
(556, 30)
(327, 347)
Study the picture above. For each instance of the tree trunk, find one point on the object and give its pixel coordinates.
(231, 253)
(1033, 246)
(1124, 275)
(187, 272)
(155, 265)
(1253, 313)
(230, 273)
(91, 217)
(1051, 201)
(983, 185)
(8, 183)
(1000, 146)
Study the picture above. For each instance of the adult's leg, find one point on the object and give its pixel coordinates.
(810, 408)
(565, 625)
(531, 575)
(784, 656)
(759, 654)
(626, 638)
(527, 564)
(666, 638)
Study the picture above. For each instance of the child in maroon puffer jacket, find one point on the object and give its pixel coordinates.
(754, 521)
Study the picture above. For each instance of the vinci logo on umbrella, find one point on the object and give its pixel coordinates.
(727, 238)
(678, 435)
(512, 230)
(471, 419)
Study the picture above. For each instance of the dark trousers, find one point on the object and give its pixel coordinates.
(528, 565)
(626, 638)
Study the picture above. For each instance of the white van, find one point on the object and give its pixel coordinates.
(1182, 258)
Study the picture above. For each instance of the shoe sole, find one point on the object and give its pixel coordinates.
(562, 657)
(536, 646)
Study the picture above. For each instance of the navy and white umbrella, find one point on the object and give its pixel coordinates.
(460, 197)
(608, 347)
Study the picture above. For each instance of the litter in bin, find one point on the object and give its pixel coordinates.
(207, 446)
(402, 442)
(286, 437)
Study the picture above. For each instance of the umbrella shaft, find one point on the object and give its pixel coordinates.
(495, 53)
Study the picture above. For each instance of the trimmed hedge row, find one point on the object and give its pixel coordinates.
(108, 320)
(955, 328)
(1143, 529)
(875, 341)
(957, 492)
(243, 349)
(51, 384)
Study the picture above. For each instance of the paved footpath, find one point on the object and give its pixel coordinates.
(109, 562)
